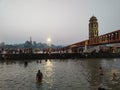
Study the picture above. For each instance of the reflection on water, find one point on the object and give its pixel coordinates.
(48, 73)
(69, 74)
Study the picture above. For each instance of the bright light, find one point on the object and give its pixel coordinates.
(49, 40)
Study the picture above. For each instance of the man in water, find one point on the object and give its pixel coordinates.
(101, 71)
(39, 76)
(114, 76)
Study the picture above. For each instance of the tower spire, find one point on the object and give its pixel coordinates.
(30, 42)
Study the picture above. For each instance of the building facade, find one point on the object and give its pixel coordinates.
(96, 42)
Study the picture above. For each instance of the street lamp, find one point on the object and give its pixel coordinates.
(49, 41)
(49, 44)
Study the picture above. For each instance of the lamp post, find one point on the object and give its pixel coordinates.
(49, 44)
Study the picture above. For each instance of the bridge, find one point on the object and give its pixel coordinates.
(111, 40)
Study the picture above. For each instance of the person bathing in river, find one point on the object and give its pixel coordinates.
(39, 76)
(114, 76)
(101, 71)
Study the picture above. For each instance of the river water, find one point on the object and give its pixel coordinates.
(67, 74)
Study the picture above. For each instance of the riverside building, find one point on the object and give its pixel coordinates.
(109, 42)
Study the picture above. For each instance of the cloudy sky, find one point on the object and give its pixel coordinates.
(64, 21)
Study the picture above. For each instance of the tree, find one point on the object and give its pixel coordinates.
(27, 44)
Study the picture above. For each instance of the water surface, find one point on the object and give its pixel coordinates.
(68, 74)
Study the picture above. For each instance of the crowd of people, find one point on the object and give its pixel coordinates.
(15, 51)
(30, 50)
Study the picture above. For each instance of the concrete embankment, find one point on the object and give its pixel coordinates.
(58, 56)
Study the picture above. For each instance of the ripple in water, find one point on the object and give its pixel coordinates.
(68, 74)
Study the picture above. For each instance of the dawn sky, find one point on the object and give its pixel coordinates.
(64, 21)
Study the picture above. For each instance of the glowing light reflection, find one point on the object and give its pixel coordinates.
(49, 72)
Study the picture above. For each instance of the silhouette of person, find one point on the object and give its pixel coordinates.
(39, 76)
(100, 71)
(114, 76)
(25, 63)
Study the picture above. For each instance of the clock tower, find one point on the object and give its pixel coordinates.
(93, 27)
